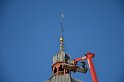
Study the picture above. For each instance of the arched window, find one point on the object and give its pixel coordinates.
(60, 68)
(55, 70)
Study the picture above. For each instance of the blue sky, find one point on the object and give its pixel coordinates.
(30, 30)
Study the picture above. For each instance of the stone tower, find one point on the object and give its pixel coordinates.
(59, 74)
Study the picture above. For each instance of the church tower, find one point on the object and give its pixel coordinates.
(59, 73)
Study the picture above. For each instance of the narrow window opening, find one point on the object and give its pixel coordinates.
(60, 68)
(55, 70)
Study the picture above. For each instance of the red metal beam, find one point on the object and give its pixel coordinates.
(91, 66)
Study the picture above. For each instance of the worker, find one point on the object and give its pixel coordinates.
(83, 64)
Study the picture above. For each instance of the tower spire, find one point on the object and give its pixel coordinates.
(61, 32)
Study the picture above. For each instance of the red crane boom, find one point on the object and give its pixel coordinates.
(72, 65)
(88, 56)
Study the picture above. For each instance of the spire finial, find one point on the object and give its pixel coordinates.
(61, 22)
(62, 30)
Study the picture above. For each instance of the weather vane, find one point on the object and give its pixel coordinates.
(61, 22)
